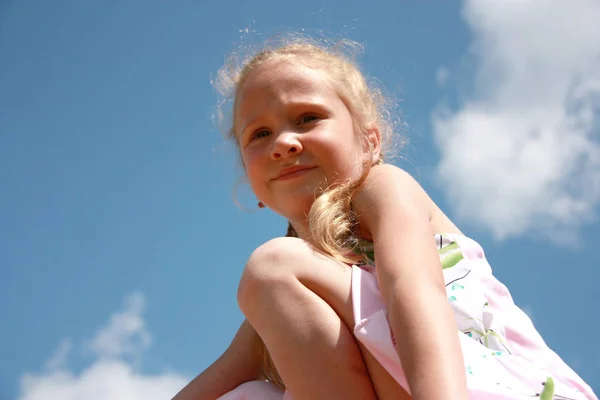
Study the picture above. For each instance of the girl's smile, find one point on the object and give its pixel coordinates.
(293, 172)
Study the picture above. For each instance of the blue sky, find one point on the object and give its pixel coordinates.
(121, 244)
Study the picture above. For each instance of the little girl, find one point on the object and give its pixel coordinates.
(375, 293)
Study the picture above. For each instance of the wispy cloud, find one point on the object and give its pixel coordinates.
(59, 358)
(112, 375)
(125, 334)
(441, 76)
(521, 154)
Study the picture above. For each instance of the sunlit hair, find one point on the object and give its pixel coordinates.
(331, 219)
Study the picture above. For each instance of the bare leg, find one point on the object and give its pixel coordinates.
(299, 302)
(315, 353)
(254, 390)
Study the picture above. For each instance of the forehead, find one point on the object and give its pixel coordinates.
(276, 83)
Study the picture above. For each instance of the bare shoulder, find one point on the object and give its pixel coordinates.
(388, 182)
(390, 191)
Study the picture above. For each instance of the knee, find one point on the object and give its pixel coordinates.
(268, 268)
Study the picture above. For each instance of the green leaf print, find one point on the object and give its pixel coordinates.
(548, 392)
(450, 255)
(484, 338)
(367, 250)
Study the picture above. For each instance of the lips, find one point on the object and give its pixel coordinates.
(290, 172)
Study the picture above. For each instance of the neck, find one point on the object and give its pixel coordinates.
(301, 228)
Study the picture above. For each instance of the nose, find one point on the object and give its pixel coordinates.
(286, 145)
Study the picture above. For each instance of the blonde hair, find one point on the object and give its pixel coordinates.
(331, 219)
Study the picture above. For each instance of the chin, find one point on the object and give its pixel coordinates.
(292, 209)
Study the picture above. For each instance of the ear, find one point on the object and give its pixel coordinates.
(373, 138)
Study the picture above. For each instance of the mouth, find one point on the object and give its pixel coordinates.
(292, 172)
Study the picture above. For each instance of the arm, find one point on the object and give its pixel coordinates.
(240, 363)
(394, 210)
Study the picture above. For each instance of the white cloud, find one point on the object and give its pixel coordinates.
(125, 334)
(522, 153)
(441, 76)
(60, 355)
(112, 375)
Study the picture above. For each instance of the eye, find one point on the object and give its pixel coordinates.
(305, 119)
(260, 134)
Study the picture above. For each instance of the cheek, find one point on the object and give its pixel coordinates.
(255, 169)
(346, 160)
(249, 158)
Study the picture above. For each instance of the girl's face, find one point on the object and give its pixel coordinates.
(296, 136)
